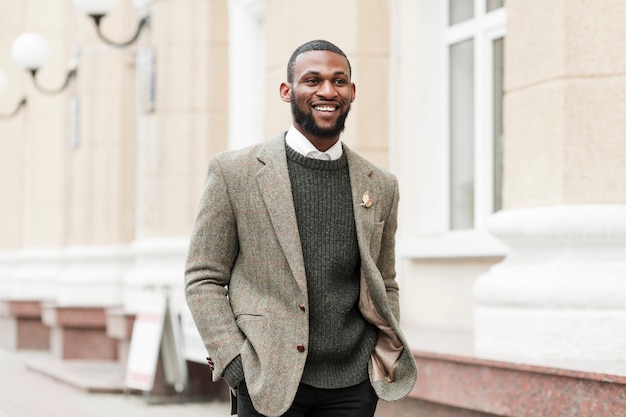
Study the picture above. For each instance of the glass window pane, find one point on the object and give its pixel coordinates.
(498, 131)
(462, 135)
(494, 4)
(460, 11)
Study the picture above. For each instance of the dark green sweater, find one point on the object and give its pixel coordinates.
(340, 340)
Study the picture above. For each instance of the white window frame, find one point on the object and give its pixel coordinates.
(435, 239)
(484, 28)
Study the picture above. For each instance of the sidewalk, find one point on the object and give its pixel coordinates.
(27, 393)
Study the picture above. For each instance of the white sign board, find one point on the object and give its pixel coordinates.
(155, 331)
(194, 349)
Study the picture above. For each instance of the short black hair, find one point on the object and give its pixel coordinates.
(316, 45)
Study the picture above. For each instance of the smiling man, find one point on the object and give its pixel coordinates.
(320, 92)
(290, 275)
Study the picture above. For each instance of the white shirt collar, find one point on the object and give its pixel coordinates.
(299, 143)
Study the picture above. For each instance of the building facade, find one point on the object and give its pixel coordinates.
(503, 121)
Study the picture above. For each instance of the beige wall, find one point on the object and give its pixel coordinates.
(190, 121)
(35, 188)
(11, 150)
(156, 163)
(11, 131)
(139, 176)
(438, 293)
(101, 169)
(564, 103)
(89, 195)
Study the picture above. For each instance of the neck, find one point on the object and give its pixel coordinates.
(322, 144)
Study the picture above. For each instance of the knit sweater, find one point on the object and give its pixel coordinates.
(340, 340)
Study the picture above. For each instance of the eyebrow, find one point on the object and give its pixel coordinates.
(311, 72)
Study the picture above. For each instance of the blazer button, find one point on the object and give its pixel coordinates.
(300, 348)
(301, 307)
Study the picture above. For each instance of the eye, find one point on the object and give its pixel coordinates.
(311, 81)
(341, 81)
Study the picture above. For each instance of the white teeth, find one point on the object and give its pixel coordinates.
(324, 108)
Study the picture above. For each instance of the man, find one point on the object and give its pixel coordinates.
(290, 275)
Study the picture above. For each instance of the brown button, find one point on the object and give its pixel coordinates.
(300, 348)
(301, 307)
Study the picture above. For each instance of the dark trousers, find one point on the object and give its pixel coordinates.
(356, 401)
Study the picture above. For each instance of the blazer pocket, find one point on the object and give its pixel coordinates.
(376, 238)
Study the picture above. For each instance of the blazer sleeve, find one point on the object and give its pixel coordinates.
(212, 252)
(386, 261)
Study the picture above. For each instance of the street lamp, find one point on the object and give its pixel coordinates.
(30, 51)
(3, 86)
(98, 9)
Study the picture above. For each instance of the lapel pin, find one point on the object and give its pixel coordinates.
(367, 201)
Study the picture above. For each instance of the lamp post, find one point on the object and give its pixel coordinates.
(98, 9)
(30, 51)
(3, 86)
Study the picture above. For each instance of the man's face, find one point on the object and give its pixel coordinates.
(320, 95)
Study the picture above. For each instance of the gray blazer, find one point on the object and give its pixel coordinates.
(245, 280)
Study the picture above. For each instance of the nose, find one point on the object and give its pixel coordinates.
(327, 90)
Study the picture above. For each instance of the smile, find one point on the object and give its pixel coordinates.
(325, 108)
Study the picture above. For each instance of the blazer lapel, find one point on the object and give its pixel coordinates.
(360, 181)
(275, 186)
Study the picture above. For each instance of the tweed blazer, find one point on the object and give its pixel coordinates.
(245, 281)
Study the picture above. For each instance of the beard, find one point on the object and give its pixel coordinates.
(308, 124)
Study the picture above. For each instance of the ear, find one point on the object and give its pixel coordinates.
(353, 92)
(285, 92)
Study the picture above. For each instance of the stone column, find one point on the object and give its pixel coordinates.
(561, 291)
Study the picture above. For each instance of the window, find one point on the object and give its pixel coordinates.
(498, 132)
(474, 44)
(455, 123)
(461, 134)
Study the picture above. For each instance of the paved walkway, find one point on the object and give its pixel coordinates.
(27, 393)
